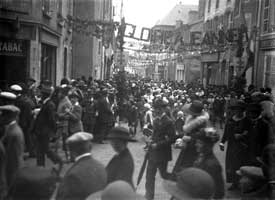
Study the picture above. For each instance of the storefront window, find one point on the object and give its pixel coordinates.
(16, 5)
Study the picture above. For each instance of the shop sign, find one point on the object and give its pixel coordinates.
(12, 47)
(268, 44)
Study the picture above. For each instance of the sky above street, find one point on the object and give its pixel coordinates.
(146, 13)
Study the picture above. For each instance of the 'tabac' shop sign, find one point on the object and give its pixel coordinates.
(11, 47)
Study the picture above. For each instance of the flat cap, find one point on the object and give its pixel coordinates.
(252, 172)
(79, 137)
(16, 88)
(10, 108)
(8, 95)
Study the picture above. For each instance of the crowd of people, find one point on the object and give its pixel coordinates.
(39, 121)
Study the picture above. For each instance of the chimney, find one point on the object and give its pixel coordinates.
(193, 16)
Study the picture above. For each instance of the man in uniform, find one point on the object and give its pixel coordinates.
(160, 147)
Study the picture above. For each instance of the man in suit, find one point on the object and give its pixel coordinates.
(13, 140)
(121, 166)
(160, 152)
(105, 116)
(45, 128)
(87, 175)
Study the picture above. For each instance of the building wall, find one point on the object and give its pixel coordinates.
(38, 24)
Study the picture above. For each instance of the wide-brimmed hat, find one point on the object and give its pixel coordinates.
(10, 108)
(191, 183)
(16, 88)
(117, 190)
(195, 108)
(120, 133)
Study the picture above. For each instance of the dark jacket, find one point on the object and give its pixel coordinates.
(85, 177)
(45, 123)
(105, 114)
(121, 167)
(211, 165)
(163, 136)
(14, 144)
(75, 123)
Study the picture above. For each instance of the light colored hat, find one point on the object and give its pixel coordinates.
(8, 95)
(252, 172)
(191, 183)
(10, 108)
(120, 190)
(147, 105)
(16, 88)
(79, 137)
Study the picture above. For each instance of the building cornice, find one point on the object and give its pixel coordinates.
(33, 23)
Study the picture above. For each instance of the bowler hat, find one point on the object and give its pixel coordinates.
(120, 133)
(195, 108)
(191, 183)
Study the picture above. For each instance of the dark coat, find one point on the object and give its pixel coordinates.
(237, 151)
(121, 167)
(163, 136)
(211, 165)
(105, 114)
(14, 145)
(45, 123)
(85, 177)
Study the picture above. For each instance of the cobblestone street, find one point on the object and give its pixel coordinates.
(104, 152)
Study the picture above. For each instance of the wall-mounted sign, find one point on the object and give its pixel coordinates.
(267, 44)
(12, 47)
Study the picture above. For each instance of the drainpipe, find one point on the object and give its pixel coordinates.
(257, 43)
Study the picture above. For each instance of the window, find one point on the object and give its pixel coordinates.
(217, 4)
(16, 5)
(209, 6)
(266, 16)
(237, 7)
(230, 20)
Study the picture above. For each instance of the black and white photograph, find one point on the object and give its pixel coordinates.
(137, 99)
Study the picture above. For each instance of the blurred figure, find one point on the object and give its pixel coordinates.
(159, 152)
(86, 176)
(121, 166)
(191, 183)
(118, 190)
(13, 141)
(207, 161)
(253, 183)
(235, 133)
(45, 127)
(179, 123)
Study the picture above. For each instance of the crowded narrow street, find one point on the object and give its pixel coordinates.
(137, 99)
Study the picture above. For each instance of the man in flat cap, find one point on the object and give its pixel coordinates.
(87, 175)
(13, 140)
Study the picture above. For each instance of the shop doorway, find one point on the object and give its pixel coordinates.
(13, 70)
